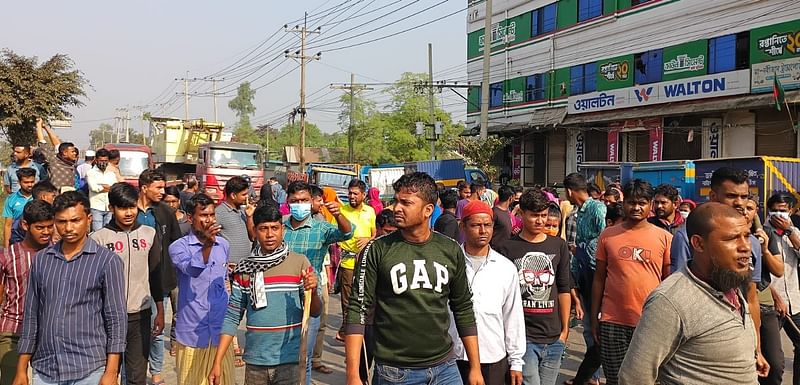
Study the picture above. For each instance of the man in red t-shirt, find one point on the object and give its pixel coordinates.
(15, 263)
(632, 259)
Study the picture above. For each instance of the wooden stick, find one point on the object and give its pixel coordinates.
(304, 336)
(791, 120)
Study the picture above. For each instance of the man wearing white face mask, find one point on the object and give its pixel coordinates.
(310, 237)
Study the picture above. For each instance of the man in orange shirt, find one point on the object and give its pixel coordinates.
(632, 259)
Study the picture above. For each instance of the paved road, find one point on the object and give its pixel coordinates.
(333, 355)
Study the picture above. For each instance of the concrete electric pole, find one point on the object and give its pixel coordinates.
(431, 108)
(353, 88)
(301, 57)
(487, 58)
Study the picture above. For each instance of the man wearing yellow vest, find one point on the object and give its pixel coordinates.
(362, 216)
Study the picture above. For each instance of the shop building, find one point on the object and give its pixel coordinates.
(573, 81)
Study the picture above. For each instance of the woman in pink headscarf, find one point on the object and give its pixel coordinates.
(374, 196)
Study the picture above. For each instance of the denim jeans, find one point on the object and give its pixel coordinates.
(443, 374)
(100, 219)
(92, 379)
(313, 329)
(157, 343)
(795, 338)
(542, 363)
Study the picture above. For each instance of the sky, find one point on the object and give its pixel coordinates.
(132, 52)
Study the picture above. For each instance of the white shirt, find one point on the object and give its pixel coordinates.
(788, 286)
(497, 304)
(98, 199)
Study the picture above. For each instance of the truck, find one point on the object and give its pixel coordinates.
(447, 173)
(184, 147)
(133, 159)
(767, 175)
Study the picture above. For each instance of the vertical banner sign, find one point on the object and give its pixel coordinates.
(516, 162)
(579, 148)
(712, 138)
(613, 145)
(656, 143)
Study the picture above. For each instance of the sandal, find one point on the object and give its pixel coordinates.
(322, 369)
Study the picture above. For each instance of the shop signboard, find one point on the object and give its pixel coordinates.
(787, 70)
(516, 161)
(514, 91)
(613, 145)
(615, 73)
(656, 142)
(580, 150)
(712, 138)
(685, 60)
(700, 87)
(774, 42)
(502, 32)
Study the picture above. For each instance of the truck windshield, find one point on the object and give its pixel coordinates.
(132, 163)
(233, 158)
(329, 179)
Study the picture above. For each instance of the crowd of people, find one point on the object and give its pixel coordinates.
(437, 286)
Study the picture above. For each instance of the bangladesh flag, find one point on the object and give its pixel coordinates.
(777, 92)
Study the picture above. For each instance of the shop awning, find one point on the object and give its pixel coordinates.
(541, 118)
(689, 107)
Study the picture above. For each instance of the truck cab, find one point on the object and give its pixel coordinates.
(335, 176)
(218, 162)
(133, 159)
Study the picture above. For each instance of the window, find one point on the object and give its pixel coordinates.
(589, 9)
(496, 95)
(637, 2)
(728, 53)
(543, 20)
(583, 78)
(534, 87)
(648, 66)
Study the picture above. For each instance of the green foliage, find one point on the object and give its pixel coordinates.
(479, 152)
(243, 106)
(29, 90)
(104, 134)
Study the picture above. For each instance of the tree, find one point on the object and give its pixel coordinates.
(479, 152)
(29, 90)
(242, 104)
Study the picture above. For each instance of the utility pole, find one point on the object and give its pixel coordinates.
(353, 88)
(185, 81)
(487, 58)
(431, 109)
(303, 59)
(127, 126)
(214, 93)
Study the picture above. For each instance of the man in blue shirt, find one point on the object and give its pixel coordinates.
(12, 209)
(22, 159)
(75, 316)
(201, 259)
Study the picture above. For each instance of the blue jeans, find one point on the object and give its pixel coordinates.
(92, 379)
(100, 219)
(157, 343)
(443, 374)
(313, 330)
(542, 363)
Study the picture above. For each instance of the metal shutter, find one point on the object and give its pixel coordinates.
(774, 134)
(556, 156)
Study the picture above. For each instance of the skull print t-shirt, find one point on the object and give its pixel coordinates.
(543, 272)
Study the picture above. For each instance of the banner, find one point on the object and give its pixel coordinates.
(613, 145)
(700, 87)
(787, 70)
(656, 143)
(712, 138)
(516, 162)
(580, 153)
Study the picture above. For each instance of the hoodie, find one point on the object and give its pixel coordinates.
(279, 193)
(141, 258)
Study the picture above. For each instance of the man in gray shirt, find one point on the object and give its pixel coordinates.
(696, 326)
(237, 224)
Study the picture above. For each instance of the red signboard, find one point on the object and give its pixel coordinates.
(613, 145)
(516, 162)
(656, 142)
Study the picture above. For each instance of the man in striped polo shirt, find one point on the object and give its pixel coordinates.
(75, 322)
(268, 286)
(15, 263)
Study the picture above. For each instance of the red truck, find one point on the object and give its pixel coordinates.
(133, 159)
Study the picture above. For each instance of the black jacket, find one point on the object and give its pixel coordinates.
(447, 224)
(167, 231)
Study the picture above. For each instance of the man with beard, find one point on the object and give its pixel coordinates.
(632, 259)
(362, 216)
(729, 186)
(695, 328)
(100, 178)
(408, 279)
(665, 203)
